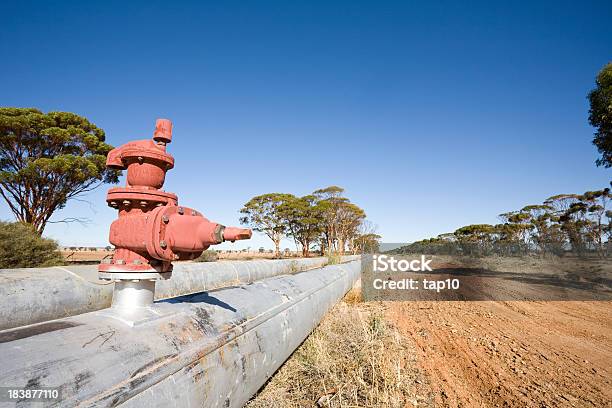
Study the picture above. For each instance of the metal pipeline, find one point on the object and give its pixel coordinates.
(210, 349)
(34, 295)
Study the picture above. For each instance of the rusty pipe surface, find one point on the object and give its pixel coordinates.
(34, 295)
(210, 349)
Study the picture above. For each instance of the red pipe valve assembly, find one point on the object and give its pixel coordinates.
(152, 229)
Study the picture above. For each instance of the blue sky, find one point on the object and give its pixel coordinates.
(430, 115)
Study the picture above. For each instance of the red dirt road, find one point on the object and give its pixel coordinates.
(510, 353)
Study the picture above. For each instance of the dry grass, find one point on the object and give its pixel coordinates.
(354, 358)
(86, 256)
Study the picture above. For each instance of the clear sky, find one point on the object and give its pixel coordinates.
(432, 115)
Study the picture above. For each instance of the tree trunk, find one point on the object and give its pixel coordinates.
(340, 246)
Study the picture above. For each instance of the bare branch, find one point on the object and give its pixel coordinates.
(81, 220)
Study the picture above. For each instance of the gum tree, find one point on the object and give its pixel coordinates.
(330, 200)
(568, 219)
(262, 214)
(600, 115)
(46, 159)
(303, 218)
(596, 208)
(348, 219)
(515, 230)
(476, 239)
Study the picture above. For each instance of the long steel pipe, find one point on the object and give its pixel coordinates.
(210, 349)
(33, 295)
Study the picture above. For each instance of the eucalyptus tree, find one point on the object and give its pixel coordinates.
(569, 219)
(349, 217)
(476, 239)
(330, 199)
(47, 159)
(600, 115)
(303, 218)
(516, 229)
(592, 211)
(545, 233)
(262, 213)
(365, 239)
(367, 243)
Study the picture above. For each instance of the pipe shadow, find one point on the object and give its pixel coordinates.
(201, 297)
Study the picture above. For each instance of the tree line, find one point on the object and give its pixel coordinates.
(566, 223)
(325, 220)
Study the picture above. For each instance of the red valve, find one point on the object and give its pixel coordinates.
(152, 230)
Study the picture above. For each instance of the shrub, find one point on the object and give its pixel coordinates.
(22, 247)
(333, 258)
(208, 256)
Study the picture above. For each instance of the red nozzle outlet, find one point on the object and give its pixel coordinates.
(235, 234)
(163, 131)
